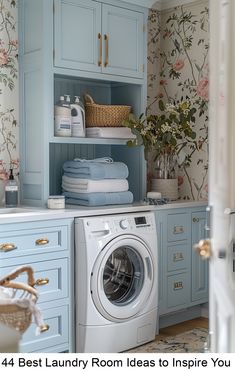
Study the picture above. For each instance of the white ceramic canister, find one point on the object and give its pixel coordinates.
(56, 202)
(62, 121)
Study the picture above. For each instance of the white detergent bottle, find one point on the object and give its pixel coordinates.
(63, 117)
(78, 118)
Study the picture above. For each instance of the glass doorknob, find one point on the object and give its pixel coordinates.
(203, 248)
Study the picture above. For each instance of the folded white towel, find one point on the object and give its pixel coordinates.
(89, 185)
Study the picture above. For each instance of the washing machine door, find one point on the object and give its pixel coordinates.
(122, 278)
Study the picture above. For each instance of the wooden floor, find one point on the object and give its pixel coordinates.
(182, 327)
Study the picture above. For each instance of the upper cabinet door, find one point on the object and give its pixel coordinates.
(123, 40)
(77, 35)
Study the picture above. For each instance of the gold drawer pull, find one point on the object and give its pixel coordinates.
(101, 48)
(178, 256)
(5, 247)
(44, 328)
(178, 229)
(178, 285)
(41, 281)
(106, 38)
(42, 241)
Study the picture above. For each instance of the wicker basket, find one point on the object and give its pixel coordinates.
(104, 115)
(14, 315)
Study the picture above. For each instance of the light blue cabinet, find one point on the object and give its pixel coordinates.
(78, 35)
(96, 37)
(183, 276)
(123, 32)
(59, 54)
(47, 246)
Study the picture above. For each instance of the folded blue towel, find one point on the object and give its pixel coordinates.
(98, 199)
(96, 170)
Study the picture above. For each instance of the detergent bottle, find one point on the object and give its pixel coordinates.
(63, 117)
(77, 118)
(11, 191)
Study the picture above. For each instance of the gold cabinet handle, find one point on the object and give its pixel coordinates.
(178, 285)
(41, 281)
(101, 49)
(5, 247)
(42, 241)
(178, 256)
(44, 328)
(203, 248)
(106, 38)
(178, 229)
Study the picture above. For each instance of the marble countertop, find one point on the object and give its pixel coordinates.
(22, 213)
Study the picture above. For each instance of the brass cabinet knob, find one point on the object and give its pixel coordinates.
(203, 248)
(41, 281)
(5, 247)
(42, 241)
(44, 328)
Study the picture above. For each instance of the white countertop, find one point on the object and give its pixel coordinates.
(32, 214)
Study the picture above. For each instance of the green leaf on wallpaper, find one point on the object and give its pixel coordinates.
(161, 105)
(200, 41)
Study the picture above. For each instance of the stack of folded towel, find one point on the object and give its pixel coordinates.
(96, 182)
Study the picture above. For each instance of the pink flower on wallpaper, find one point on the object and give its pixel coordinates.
(178, 65)
(180, 180)
(3, 175)
(167, 34)
(203, 88)
(3, 57)
(14, 43)
(163, 82)
(15, 162)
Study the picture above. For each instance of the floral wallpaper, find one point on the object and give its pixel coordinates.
(9, 153)
(178, 70)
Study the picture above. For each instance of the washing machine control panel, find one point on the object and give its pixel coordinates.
(140, 220)
(102, 227)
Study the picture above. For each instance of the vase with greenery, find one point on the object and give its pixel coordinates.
(165, 134)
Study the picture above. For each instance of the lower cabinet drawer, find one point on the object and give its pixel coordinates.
(178, 290)
(177, 227)
(58, 321)
(177, 257)
(51, 278)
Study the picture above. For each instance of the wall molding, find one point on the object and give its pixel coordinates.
(144, 3)
(167, 4)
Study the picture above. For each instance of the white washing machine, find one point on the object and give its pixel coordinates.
(116, 282)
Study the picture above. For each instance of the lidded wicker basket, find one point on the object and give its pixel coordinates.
(101, 115)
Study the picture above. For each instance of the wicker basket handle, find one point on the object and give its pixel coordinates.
(7, 280)
(88, 99)
(20, 286)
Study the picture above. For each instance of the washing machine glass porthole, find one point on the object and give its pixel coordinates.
(123, 276)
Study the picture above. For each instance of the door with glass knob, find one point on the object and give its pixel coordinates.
(222, 176)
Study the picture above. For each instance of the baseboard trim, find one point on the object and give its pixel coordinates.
(180, 316)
